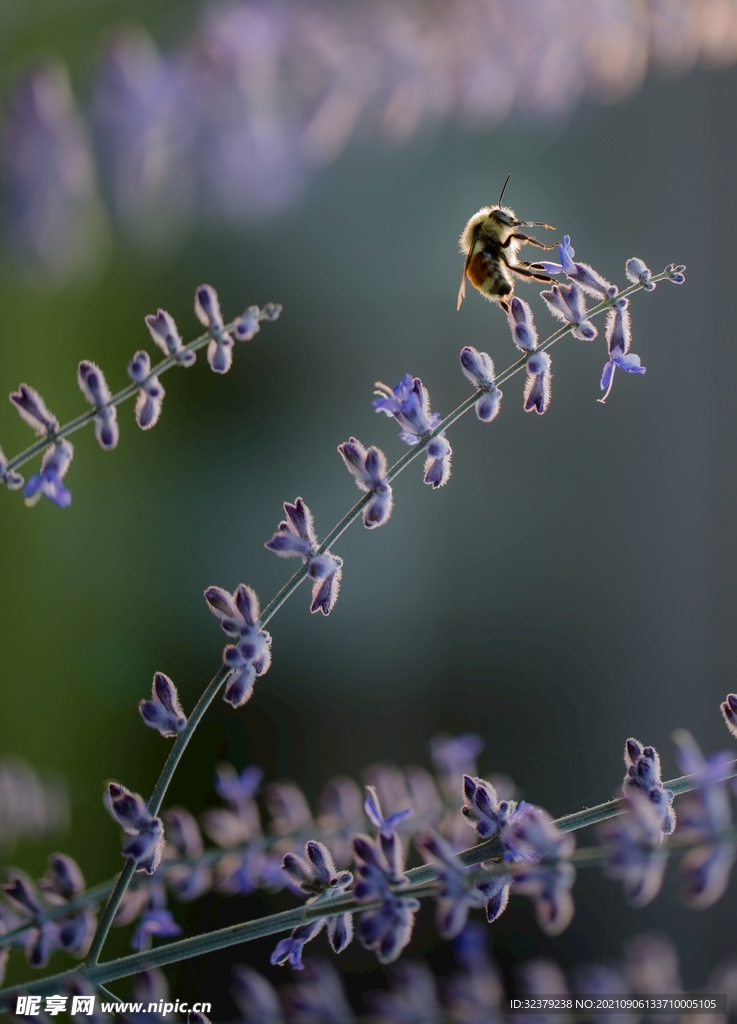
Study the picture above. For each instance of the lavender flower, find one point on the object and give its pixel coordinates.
(537, 384)
(9, 477)
(484, 811)
(532, 836)
(479, 368)
(676, 273)
(566, 302)
(33, 410)
(295, 538)
(251, 657)
(94, 387)
(585, 276)
(151, 395)
(458, 892)
(633, 849)
(163, 711)
(190, 880)
(317, 875)
(412, 999)
(522, 325)
(729, 712)
(389, 928)
(368, 467)
(454, 757)
(130, 811)
(643, 776)
(619, 338)
(437, 464)
(48, 481)
(704, 817)
(240, 824)
(220, 349)
(155, 919)
(163, 330)
(248, 324)
(289, 808)
(638, 273)
(409, 404)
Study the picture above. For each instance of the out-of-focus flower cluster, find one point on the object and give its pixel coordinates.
(32, 806)
(237, 119)
(471, 995)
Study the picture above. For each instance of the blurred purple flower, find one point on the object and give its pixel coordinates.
(239, 614)
(458, 892)
(207, 309)
(546, 875)
(32, 408)
(190, 880)
(12, 480)
(155, 919)
(163, 330)
(48, 481)
(94, 387)
(729, 713)
(388, 929)
(704, 818)
(255, 997)
(632, 845)
(151, 395)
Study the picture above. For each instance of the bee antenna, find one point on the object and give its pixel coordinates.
(501, 194)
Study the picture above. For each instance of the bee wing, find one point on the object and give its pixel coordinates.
(469, 257)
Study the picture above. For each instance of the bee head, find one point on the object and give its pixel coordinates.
(503, 215)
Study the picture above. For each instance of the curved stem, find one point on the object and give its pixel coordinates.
(154, 806)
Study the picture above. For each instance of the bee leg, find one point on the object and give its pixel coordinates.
(535, 275)
(528, 240)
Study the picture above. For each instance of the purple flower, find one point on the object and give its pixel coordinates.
(437, 463)
(317, 875)
(151, 395)
(729, 712)
(633, 849)
(248, 324)
(537, 385)
(155, 919)
(546, 876)
(676, 273)
(130, 811)
(207, 309)
(186, 881)
(458, 893)
(48, 481)
(63, 881)
(412, 999)
(704, 817)
(251, 657)
(619, 338)
(33, 410)
(9, 477)
(638, 273)
(289, 808)
(566, 302)
(409, 404)
(454, 757)
(643, 776)
(295, 538)
(318, 999)
(43, 938)
(585, 276)
(94, 387)
(522, 325)
(163, 330)
(368, 467)
(483, 809)
(387, 929)
(163, 712)
(238, 788)
(479, 368)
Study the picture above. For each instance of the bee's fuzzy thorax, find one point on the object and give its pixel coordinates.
(491, 225)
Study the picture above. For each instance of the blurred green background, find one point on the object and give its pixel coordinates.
(573, 585)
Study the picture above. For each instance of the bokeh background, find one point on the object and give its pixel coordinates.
(573, 585)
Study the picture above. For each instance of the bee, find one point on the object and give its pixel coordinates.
(490, 242)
